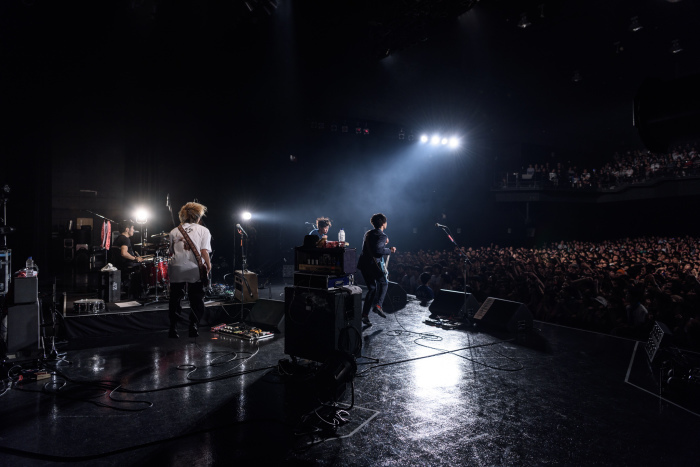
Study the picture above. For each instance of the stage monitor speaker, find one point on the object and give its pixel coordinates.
(504, 315)
(268, 315)
(318, 322)
(658, 338)
(396, 298)
(451, 303)
(23, 329)
(246, 286)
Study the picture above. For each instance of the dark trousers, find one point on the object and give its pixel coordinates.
(195, 293)
(377, 286)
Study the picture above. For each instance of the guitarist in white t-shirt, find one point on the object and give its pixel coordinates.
(372, 265)
(183, 269)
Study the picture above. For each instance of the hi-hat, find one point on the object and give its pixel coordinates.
(162, 235)
(144, 244)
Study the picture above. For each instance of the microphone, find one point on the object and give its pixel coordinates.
(440, 225)
(238, 226)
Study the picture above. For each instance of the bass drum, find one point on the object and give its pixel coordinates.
(162, 265)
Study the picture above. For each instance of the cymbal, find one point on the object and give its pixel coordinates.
(144, 244)
(161, 235)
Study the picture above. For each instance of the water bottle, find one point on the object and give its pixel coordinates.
(341, 237)
(32, 268)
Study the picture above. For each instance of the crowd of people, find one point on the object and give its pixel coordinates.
(631, 167)
(620, 287)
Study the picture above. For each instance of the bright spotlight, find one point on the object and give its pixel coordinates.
(435, 140)
(443, 141)
(141, 216)
(454, 142)
(246, 215)
(423, 138)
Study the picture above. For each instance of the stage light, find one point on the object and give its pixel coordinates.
(453, 143)
(524, 23)
(246, 216)
(435, 140)
(141, 216)
(443, 141)
(423, 138)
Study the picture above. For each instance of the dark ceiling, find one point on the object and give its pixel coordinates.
(463, 64)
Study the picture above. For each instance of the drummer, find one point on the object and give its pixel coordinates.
(127, 260)
(126, 255)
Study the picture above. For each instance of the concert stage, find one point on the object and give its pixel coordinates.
(422, 396)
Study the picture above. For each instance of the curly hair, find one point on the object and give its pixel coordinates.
(192, 213)
(322, 222)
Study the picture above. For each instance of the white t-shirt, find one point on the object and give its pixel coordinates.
(183, 264)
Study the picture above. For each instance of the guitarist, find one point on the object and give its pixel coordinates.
(184, 268)
(373, 267)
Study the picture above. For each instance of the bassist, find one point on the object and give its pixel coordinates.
(373, 266)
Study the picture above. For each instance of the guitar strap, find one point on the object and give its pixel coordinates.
(189, 241)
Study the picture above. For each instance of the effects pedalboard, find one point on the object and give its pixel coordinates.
(242, 331)
(444, 323)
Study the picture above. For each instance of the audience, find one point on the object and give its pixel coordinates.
(632, 167)
(619, 287)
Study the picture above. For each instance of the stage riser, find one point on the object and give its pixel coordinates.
(143, 321)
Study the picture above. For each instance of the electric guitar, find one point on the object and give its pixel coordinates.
(383, 265)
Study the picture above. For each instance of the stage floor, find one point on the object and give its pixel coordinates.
(422, 396)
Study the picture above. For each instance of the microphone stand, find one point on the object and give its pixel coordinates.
(244, 267)
(464, 270)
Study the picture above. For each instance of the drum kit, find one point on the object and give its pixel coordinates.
(154, 267)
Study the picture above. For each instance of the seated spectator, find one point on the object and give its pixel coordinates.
(423, 292)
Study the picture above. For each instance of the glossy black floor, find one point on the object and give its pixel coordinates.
(423, 396)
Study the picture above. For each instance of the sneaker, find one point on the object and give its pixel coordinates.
(378, 310)
(365, 321)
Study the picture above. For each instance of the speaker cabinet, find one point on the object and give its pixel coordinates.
(5, 270)
(26, 289)
(268, 315)
(319, 322)
(451, 303)
(246, 286)
(504, 315)
(396, 298)
(110, 286)
(23, 329)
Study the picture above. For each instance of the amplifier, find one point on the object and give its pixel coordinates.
(246, 286)
(23, 329)
(26, 289)
(319, 281)
(320, 322)
(331, 261)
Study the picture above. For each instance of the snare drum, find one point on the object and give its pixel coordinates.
(89, 305)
